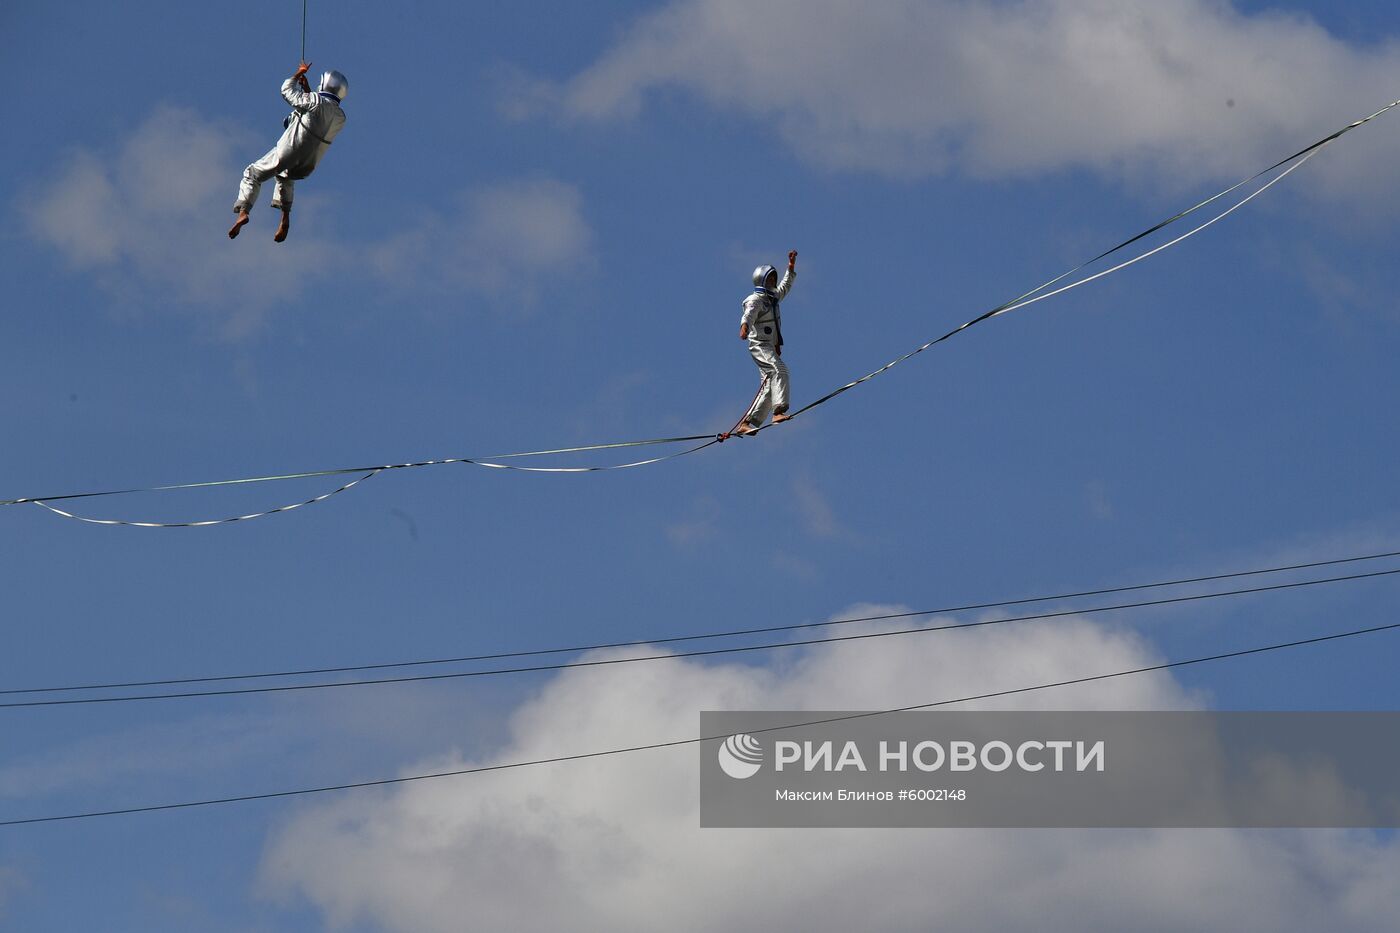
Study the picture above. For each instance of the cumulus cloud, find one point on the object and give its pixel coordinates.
(499, 239)
(1195, 89)
(148, 219)
(614, 843)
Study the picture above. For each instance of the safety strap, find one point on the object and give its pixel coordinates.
(310, 132)
(771, 309)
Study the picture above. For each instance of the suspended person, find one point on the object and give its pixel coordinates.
(762, 327)
(313, 124)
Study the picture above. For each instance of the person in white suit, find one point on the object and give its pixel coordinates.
(315, 120)
(762, 326)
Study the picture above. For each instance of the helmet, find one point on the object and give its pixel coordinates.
(333, 82)
(760, 275)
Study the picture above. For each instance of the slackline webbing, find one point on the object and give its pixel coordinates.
(215, 521)
(1039, 293)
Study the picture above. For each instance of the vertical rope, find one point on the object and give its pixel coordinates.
(303, 30)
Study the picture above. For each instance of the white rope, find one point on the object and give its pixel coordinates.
(204, 524)
(1075, 284)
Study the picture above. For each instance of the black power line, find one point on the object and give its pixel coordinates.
(461, 772)
(732, 633)
(769, 646)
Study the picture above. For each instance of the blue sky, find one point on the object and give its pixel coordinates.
(536, 230)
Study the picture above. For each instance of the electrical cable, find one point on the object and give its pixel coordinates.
(631, 749)
(676, 656)
(701, 636)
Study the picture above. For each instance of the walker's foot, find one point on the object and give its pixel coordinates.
(781, 417)
(238, 225)
(283, 227)
(745, 430)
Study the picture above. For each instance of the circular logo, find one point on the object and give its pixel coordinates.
(741, 756)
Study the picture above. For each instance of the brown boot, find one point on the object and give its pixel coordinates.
(238, 224)
(284, 226)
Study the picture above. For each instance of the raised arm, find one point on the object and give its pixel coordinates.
(791, 274)
(297, 91)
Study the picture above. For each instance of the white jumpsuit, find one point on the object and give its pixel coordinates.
(764, 318)
(314, 122)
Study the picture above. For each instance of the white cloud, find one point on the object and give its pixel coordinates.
(1100, 506)
(149, 219)
(210, 744)
(813, 508)
(12, 882)
(502, 239)
(289, 739)
(1194, 88)
(699, 529)
(614, 843)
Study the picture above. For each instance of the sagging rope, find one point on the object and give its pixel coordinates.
(1036, 294)
(369, 471)
(208, 522)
